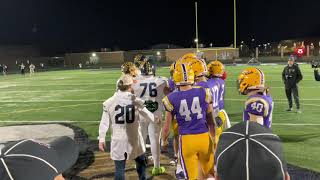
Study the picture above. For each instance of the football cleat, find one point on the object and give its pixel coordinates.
(158, 171)
(251, 79)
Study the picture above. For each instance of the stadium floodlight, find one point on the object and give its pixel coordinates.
(158, 53)
(93, 54)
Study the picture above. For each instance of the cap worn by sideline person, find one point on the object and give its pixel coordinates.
(29, 159)
(292, 58)
(126, 79)
(250, 151)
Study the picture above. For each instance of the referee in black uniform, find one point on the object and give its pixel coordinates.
(291, 76)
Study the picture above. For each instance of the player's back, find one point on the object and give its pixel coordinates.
(221, 95)
(203, 84)
(190, 108)
(124, 116)
(172, 86)
(150, 88)
(214, 86)
(259, 105)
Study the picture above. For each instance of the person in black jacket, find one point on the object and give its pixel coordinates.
(316, 75)
(291, 76)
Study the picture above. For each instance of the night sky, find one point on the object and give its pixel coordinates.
(81, 25)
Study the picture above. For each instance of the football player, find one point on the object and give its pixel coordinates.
(259, 105)
(123, 110)
(130, 69)
(152, 89)
(216, 74)
(192, 107)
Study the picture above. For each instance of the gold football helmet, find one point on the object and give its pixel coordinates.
(183, 75)
(251, 79)
(199, 67)
(216, 68)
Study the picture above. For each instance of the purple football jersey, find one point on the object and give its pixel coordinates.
(172, 86)
(190, 109)
(203, 84)
(221, 92)
(259, 105)
(214, 87)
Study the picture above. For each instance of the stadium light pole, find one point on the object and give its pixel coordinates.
(197, 37)
(235, 23)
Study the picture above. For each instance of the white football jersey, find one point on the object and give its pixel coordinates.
(124, 111)
(150, 88)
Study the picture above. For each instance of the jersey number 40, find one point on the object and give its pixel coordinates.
(126, 114)
(195, 109)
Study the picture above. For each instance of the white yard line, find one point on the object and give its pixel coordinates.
(66, 90)
(67, 121)
(62, 100)
(47, 108)
(273, 99)
(290, 124)
(53, 121)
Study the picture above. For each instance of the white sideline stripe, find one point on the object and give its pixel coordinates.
(66, 121)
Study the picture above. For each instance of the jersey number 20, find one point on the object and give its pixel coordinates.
(126, 114)
(195, 109)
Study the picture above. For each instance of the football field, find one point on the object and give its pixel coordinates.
(76, 97)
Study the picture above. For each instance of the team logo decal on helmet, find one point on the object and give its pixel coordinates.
(183, 75)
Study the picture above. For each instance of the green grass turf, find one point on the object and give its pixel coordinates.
(77, 95)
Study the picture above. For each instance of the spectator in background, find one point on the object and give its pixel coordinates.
(250, 151)
(1, 68)
(31, 68)
(4, 69)
(22, 68)
(291, 76)
(29, 159)
(316, 74)
(80, 65)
